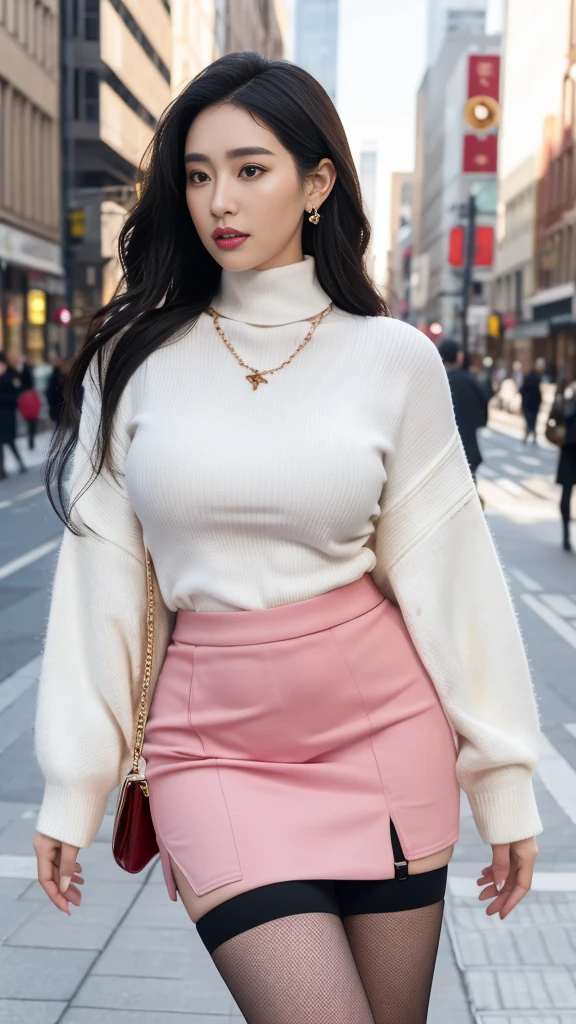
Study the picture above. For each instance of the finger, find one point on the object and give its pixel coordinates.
(500, 864)
(517, 894)
(523, 884)
(74, 895)
(51, 888)
(67, 865)
(501, 897)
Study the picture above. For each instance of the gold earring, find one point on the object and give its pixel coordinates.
(314, 217)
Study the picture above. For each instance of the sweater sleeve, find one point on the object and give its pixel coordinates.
(94, 644)
(436, 559)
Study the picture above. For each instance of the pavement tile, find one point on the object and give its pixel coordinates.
(42, 974)
(95, 892)
(66, 934)
(514, 990)
(27, 1011)
(13, 915)
(167, 915)
(12, 888)
(153, 963)
(161, 939)
(154, 994)
(103, 1016)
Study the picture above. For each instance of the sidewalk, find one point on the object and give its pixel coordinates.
(128, 954)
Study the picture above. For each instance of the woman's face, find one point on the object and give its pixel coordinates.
(241, 179)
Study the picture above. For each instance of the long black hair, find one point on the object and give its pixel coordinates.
(169, 278)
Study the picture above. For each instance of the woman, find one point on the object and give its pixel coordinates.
(10, 389)
(565, 409)
(344, 653)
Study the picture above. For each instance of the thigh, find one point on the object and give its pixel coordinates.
(393, 928)
(283, 953)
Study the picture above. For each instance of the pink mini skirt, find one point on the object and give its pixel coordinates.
(281, 742)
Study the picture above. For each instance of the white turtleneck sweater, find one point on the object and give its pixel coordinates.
(347, 461)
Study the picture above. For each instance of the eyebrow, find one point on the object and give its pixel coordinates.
(232, 154)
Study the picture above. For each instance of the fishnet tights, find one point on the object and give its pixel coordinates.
(314, 968)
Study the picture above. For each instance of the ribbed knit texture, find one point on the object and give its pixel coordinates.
(347, 461)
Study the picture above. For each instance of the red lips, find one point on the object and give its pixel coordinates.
(219, 232)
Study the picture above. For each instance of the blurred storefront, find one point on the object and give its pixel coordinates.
(31, 272)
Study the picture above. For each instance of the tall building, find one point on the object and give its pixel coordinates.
(449, 17)
(118, 57)
(316, 41)
(193, 39)
(443, 181)
(400, 249)
(535, 262)
(254, 25)
(31, 272)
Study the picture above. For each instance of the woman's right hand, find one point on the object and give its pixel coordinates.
(58, 869)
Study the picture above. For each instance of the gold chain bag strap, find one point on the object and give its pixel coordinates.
(134, 839)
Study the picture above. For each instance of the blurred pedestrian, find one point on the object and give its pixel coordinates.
(469, 400)
(532, 398)
(55, 389)
(564, 413)
(10, 386)
(29, 401)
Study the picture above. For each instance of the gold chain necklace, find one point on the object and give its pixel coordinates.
(257, 377)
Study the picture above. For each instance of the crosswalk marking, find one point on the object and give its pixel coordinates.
(542, 881)
(529, 460)
(525, 580)
(508, 468)
(559, 778)
(31, 556)
(15, 685)
(12, 866)
(563, 628)
(510, 486)
(560, 604)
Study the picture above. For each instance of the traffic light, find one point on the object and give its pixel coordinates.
(77, 224)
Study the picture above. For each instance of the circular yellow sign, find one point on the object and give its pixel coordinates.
(482, 113)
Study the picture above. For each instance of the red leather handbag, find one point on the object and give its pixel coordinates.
(133, 838)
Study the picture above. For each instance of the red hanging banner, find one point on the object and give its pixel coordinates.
(480, 154)
(484, 75)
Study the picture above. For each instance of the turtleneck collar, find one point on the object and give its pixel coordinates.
(283, 295)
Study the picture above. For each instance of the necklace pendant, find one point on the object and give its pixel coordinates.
(255, 379)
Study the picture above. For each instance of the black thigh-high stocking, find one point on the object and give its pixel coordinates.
(394, 940)
(291, 969)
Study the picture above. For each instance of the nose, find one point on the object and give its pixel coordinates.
(223, 200)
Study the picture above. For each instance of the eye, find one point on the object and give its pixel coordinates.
(198, 177)
(252, 171)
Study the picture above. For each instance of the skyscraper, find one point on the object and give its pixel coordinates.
(316, 43)
(447, 17)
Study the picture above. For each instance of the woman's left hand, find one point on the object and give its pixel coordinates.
(509, 876)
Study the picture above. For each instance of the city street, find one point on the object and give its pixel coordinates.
(129, 954)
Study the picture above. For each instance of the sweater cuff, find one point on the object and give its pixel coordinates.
(506, 815)
(71, 815)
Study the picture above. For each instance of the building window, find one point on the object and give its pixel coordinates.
(129, 98)
(21, 11)
(92, 20)
(135, 30)
(86, 95)
(11, 16)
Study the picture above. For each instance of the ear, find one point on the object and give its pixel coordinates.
(321, 184)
